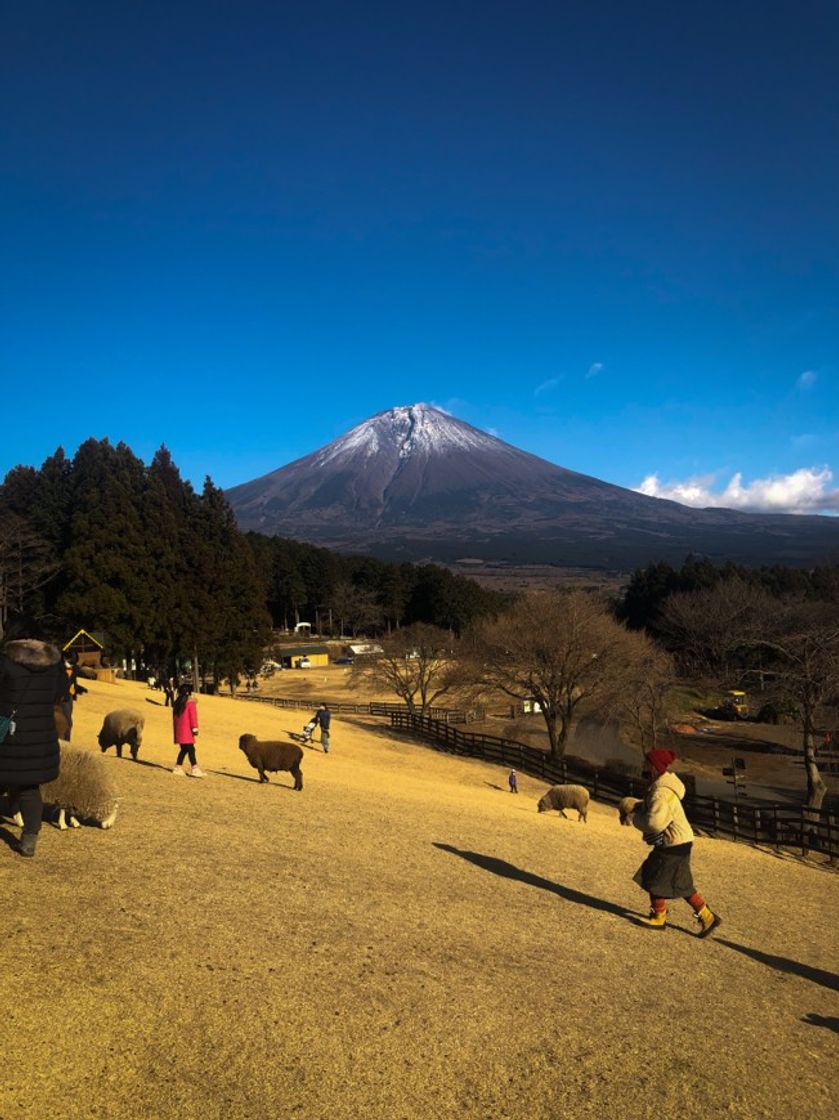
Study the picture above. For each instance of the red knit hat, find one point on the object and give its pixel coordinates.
(660, 759)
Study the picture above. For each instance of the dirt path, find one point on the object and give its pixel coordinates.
(403, 939)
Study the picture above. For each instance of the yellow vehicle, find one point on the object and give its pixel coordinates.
(736, 703)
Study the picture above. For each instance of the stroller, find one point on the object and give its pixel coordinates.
(307, 731)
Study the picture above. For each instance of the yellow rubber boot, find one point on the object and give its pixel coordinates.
(708, 920)
(656, 920)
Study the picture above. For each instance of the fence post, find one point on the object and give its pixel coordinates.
(756, 819)
(716, 815)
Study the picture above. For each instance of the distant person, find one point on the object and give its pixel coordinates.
(169, 692)
(513, 782)
(32, 682)
(666, 872)
(72, 690)
(185, 725)
(322, 718)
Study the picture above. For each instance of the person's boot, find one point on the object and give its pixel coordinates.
(657, 919)
(708, 920)
(26, 844)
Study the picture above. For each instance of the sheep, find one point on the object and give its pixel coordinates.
(125, 725)
(566, 797)
(626, 807)
(270, 755)
(83, 789)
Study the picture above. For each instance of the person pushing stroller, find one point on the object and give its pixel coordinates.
(322, 718)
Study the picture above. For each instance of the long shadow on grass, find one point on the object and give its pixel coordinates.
(252, 781)
(510, 871)
(784, 964)
(814, 1020)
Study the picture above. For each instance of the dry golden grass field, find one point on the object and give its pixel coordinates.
(402, 940)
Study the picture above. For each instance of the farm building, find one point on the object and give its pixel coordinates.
(87, 647)
(309, 655)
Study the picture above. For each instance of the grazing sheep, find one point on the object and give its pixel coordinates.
(626, 807)
(270, 755)
(566, 797)
(125, 725)
(83, 790)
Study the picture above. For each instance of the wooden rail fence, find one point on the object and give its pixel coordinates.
(374, 708)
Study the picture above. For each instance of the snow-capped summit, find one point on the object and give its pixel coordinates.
(408, 430)
(414, 482)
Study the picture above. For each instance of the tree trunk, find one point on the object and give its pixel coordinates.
(816, 789)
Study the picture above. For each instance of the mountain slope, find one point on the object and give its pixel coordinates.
(413, 482)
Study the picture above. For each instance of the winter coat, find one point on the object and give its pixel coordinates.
(32, 682)
(322, 716)
(661, 811)
(186, 724)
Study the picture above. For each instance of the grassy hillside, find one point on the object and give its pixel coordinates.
(403, 939)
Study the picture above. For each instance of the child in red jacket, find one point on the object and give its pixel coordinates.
(185, 723)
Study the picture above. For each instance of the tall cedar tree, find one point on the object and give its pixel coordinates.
(109, 563)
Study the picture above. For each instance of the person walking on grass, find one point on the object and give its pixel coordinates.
(513, 782)
(666, 872)
(32, 682)
(185, 725)
(322, 717)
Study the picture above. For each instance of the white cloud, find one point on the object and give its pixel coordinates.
(594, 369)
(551, 383)
(806, 490)
(807, 379)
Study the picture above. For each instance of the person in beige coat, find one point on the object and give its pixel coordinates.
(666, 872)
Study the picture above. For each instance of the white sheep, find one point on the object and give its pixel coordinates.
(626, 807)
(564, 797)
(84, 789)
(125, 725)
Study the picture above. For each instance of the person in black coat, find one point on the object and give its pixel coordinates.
(322, 716)
(32, 682)
(73, 689)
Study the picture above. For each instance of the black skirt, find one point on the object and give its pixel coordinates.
(666, 872)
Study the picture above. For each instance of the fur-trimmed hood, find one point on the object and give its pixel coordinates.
(31, 653)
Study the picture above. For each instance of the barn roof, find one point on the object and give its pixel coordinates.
(83, 634)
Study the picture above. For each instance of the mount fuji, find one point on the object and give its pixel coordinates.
(414, 483)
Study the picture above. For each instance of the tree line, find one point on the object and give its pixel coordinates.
(104, 542)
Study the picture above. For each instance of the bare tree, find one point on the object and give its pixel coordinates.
(641, 701)
(804, 653)
(709, 629)
(27, 563)
(792, 645)
(562, 650)
(355, 607)
(417, 664)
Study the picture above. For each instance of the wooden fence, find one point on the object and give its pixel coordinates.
(778, 825)
(374, 708)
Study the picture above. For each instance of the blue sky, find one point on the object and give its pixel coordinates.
(609, 236)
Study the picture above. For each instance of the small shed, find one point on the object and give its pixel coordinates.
(309, 655)
(87, 647)
(364, 649)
